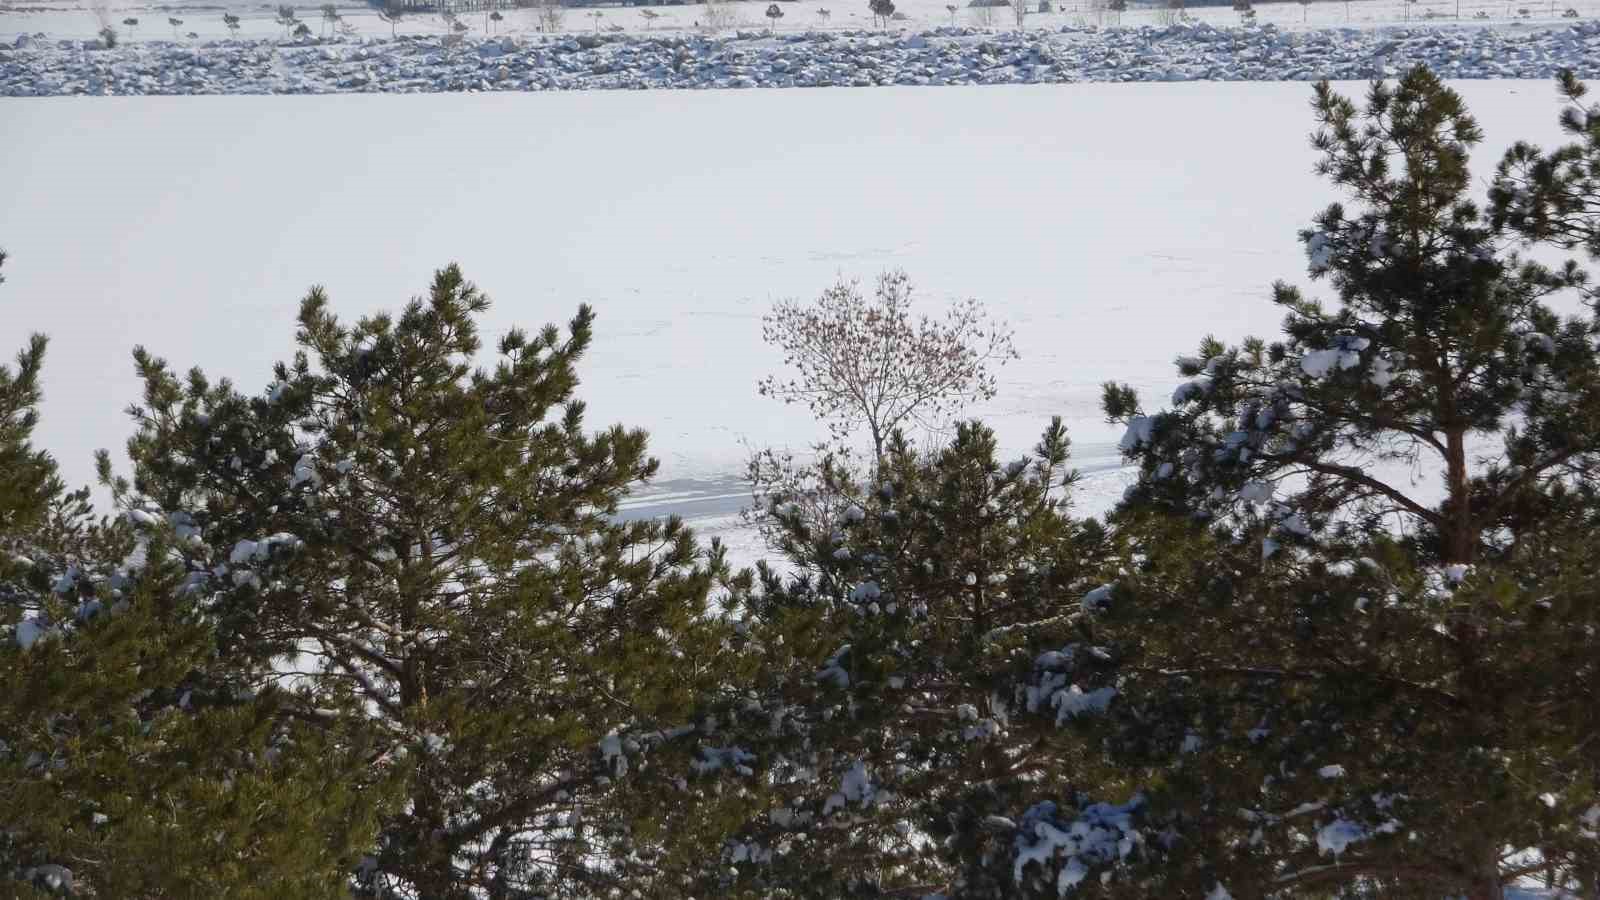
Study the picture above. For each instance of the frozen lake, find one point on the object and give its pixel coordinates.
(1111, 225)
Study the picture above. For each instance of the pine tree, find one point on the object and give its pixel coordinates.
(888, 722)
(1554, 197)
(1442, 345)
(435, 543)
(1330, 681)
(122, 773)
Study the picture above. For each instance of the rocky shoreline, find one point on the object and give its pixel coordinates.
(943, 56)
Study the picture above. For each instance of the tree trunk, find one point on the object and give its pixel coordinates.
(1489, 887)
(1457, 537)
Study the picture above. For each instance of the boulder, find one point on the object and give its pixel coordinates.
(23, 42)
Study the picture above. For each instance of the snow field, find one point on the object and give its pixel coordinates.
(1112, 226)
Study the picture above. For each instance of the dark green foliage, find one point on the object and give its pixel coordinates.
(1441, 345)
(119, 769)
(435, 542)
(1336, 678)
(889, 716)
(122, 775)
(31, 483)
(1554, 196)
(1456, 715)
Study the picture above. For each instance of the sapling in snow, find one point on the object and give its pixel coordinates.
(874, 363)
(392, 15)
(881, 11)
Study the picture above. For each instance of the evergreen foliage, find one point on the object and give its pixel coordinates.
(1442, 348)
(434, 543)
(890, 713)
(378, 628)
(1331, 680)
(122, 773)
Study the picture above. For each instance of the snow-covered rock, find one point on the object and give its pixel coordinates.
(946, 55)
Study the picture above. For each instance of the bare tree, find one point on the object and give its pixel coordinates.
(1305, 8)
(881, 11)
(1019, 8)
(287, 18)
(774, 13)
(649, 16)
(174, 22)
(393, 16)
(551, 14)
(951, 9)
(454, 23)
(496, 18)
(824, 14)
(132, 25)
(871, 362)
(719, 15)
(102, 14)
(330, 14)
(232, 21)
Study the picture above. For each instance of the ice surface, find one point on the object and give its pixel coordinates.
(194, 225)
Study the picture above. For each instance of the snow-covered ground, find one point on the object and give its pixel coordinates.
(1111, 225)
(943, 56)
